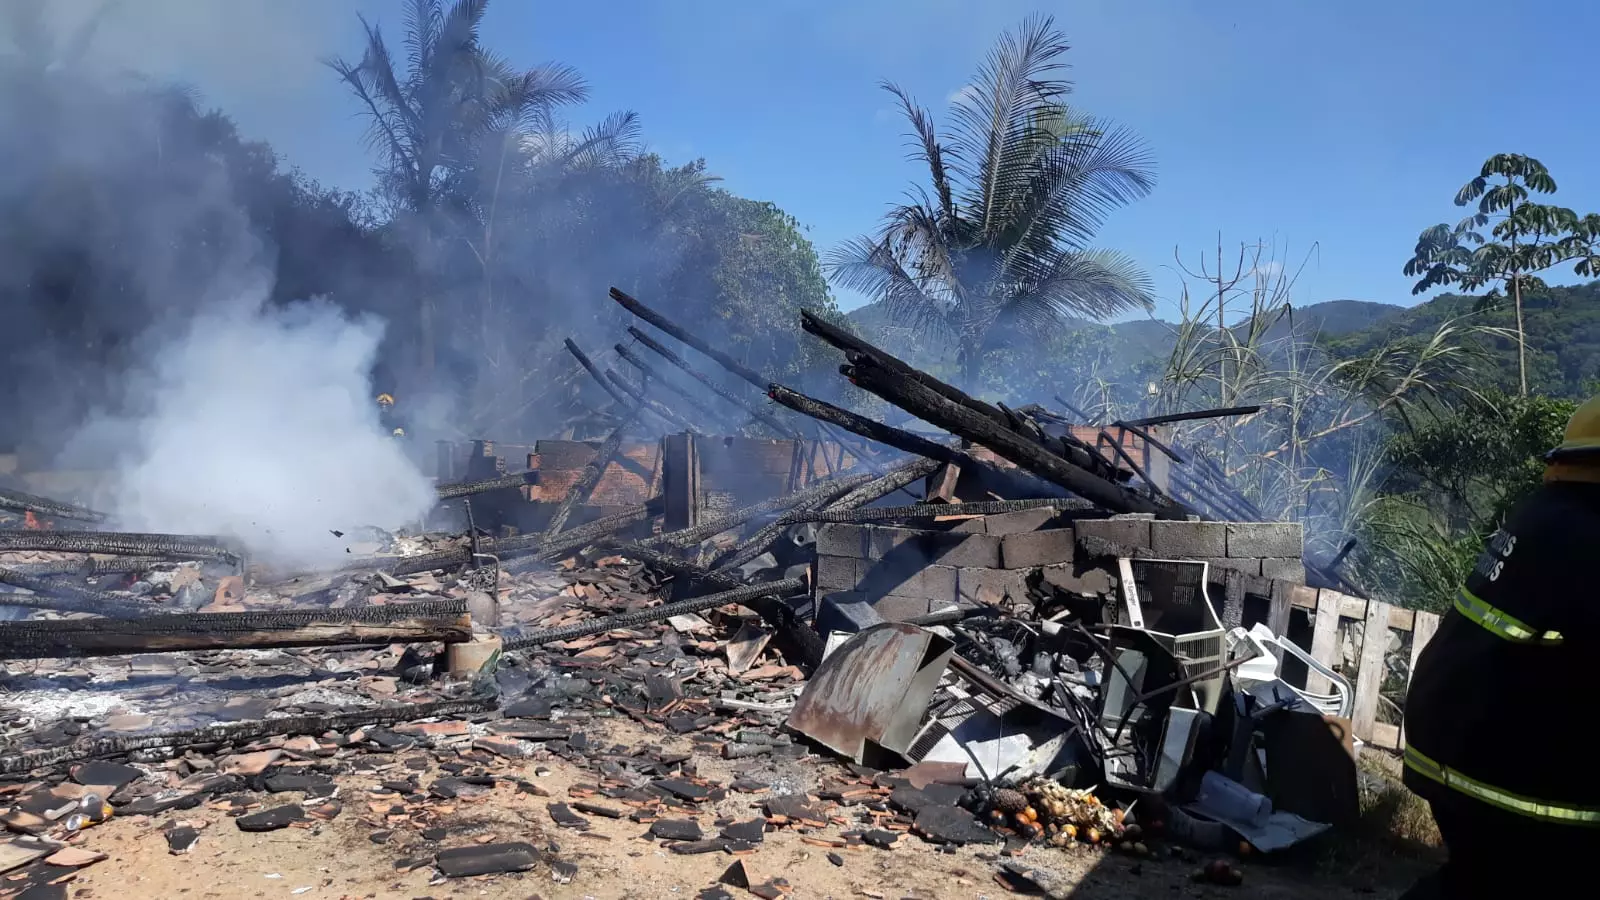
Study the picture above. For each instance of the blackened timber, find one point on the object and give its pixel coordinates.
(640, 395)
(928, 405)
(666, 326)
(822, 490)
(44, 506)
(851, 344)
(589, 366)
(1195, 415)
(589, 477)
(468, 488)
(434, 621)
(117, 544)
(646, 370)
(755, 411)
(889, 435)
(48, 594)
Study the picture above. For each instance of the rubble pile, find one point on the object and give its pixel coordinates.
(1006, 636)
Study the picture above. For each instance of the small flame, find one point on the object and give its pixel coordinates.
(33, 522)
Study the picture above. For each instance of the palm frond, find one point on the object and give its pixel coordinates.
(994, 121)
(928, 149)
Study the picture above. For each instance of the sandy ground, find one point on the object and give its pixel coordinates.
(338, 859)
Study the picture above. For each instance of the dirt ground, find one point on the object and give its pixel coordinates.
(339, 858)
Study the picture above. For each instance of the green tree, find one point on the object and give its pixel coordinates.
(435, 116)
(1451, 481)
(1528, 238)
(1020, 186)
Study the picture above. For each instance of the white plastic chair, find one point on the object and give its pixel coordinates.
(1268, 658)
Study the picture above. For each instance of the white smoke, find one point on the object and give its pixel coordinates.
(260, 424)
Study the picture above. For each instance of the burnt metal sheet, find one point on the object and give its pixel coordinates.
(874, 688)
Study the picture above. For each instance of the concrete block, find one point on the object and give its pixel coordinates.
(883, 577)
(985, 587)
(933, 547)
(1090, 581)
(1019, 522)
(837, 573)
(837, 539)
(845, 611)
(1247, 566)
(1189, 540)
(1036, 548)
(1126, 532)
(1263, 540)
(878, 577)
(897, 608)
(1291, 570)
(940, 585)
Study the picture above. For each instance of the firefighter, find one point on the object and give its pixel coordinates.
(388, 418)
(1497, 723)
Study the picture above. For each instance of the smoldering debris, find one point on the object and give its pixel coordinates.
(1105, 672)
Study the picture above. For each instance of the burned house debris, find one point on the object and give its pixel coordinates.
(1023, 630)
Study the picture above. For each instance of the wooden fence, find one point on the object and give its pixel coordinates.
(1332, 613)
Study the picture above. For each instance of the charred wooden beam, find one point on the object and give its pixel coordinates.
(589, 477)
(589, 366)
(667, 327)
(640, 396)
(1196, 415)
(757, 412)
(49, 594)
(503, 483)
(889, 435)
(441, 621)
(118, 544)
(923, 402)
(851, 344)
(946, 510)
(89, 566)
(44, 506)
(822, 490)
(648, 371)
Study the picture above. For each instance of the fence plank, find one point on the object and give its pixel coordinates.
(1426, 624)
(1369, 679)
(1324, 639)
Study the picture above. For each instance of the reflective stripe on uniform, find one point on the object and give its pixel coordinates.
(1418, 762)
(1501, 624)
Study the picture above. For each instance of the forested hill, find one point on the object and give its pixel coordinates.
(1563, 336)
(1563, 333)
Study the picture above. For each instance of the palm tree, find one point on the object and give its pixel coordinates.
(1019, 187)
(434, 119)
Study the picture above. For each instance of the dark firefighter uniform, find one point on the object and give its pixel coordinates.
(1499, 723)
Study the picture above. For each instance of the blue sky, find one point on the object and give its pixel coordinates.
(1337, 130)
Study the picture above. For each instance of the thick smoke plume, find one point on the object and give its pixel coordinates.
(258, 423)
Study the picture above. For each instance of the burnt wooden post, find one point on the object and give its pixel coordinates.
(680, 482)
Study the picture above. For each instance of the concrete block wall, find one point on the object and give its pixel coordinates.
(906, 572)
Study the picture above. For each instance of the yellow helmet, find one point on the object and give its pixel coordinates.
(399, 432)
(1579, 452)
(385, 399)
